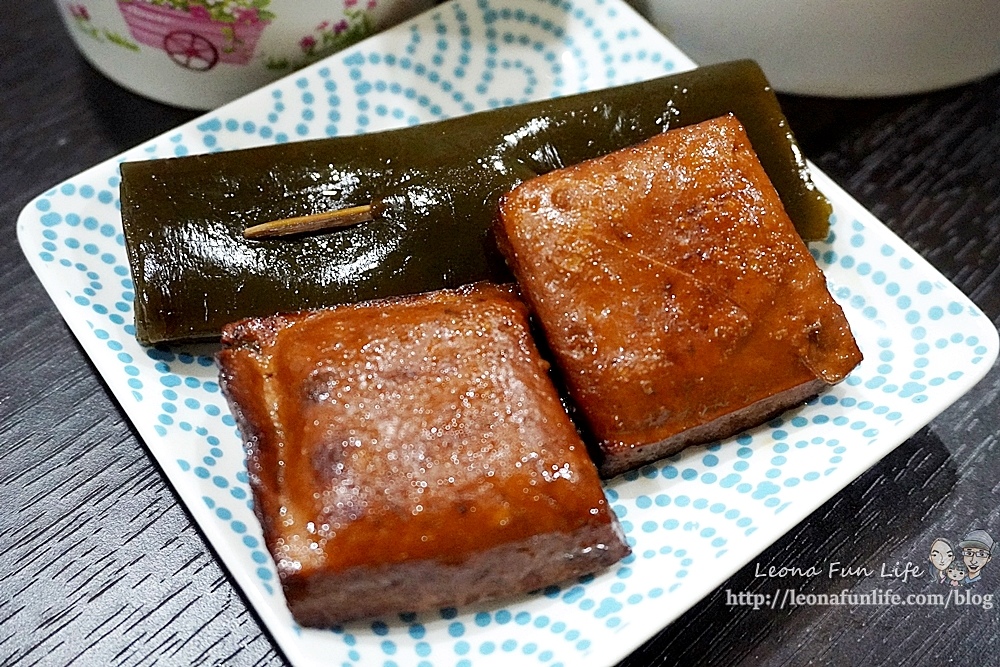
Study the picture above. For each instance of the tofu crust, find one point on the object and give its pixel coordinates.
(412, 454)
(679, 302)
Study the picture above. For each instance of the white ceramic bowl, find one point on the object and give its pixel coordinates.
(202, 53)
(843, 48)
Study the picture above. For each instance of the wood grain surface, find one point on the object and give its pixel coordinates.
(100, 565)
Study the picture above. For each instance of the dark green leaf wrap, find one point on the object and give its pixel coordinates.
(435, 188)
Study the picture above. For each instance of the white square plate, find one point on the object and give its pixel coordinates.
(692, 520)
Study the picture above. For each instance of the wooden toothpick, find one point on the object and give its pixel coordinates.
(302, 224)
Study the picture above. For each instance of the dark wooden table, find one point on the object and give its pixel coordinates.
(100, 564)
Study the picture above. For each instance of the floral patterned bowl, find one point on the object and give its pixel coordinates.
(203, 53)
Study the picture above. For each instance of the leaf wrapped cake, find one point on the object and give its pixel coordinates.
(412, 453)
(434, 190)
(678, 301)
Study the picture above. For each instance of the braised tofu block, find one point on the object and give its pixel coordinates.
(411, 454)
(679, 302)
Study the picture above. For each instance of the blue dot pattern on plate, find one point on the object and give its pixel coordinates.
(686, 517)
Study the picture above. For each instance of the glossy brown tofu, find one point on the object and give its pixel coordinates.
(412, 454)
(679, 302)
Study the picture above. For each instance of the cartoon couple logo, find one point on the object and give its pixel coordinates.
(976, 551)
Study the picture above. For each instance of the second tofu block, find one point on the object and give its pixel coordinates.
(679, 302)
(411, 454)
